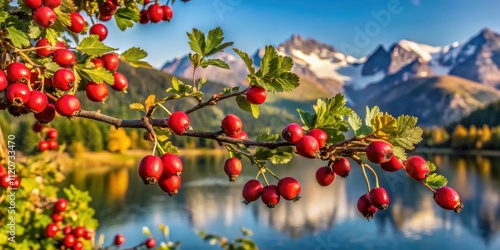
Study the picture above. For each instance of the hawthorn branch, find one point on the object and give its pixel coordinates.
(214, 100)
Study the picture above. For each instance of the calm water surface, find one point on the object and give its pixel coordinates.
(325, 217)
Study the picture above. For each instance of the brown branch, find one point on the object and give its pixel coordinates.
(214, 100)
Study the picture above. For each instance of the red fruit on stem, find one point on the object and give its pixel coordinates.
(242, 135)
(32, 4)
(111, 61)
(51, 3)
(87, 235)
(150, 169)
(43, 146)
(251, 191)
(37, 102)
(18, 94)
(178, 122)
(289, 188)
(144, 17)
(51, 230)
(57, 217)
(325, 176)
(18, 72)
(96, 92)
(170, 184)
(341, 167)
(256, 95)
(52, 133)
(60, 206)
(232, 168)
(37, 127)
(77, 22)
(394, 164)
(44, 17)
(67, 230)
(172, 164)
(47, 115)
(100, 30)
(167, 13)
(447, 198)
(320, 136)
(63, 79)
(307, 146)
(121, 82)
(155, 13)
(78, 245)
(69, 240)
(104, 17)
(417, 168)
(98, 63)
(150, 243)
(79, 231)
(108, 8)
(293, 132)
(379, 152)
(64, 58)
(3, 81)
(270, 196)
(119, 240)
(232, 124)
(53, 144)
(146, 2)
(379, 198)
(365, 207)
(67, 105)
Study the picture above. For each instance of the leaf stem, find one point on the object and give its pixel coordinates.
(374, 173)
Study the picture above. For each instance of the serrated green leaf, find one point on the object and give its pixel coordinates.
(331, 111)
(137, 106)
(51, 35)
(98, 75)
(248, 61)
(3, 16)
(282, 155)
(370, 114)
(197, 41)
(265, 63)
(399, 152)
(134, 56)
(125, 18)
(436, 181)
(91, 45)
(432, 166)
(248, 107)
(360, 129)
(214, 39)
(19, 38)
(383, 125)
(267, 137)
(52, 66)
(406, 133)
(34, 32)
(214, 62)
(306, 118)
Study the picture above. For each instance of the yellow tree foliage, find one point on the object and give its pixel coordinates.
(118, 140)
(439, 135)
(485, 136)
(459, 136)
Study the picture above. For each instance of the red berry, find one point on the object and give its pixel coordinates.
(121, 82)
(178, 122)
(172, 164)
(67, 105)
(289, 189)
(78, 245)
(155, 13)
(98, 63)
(417, 168)
(232, 168)
(96, 92)
(104, 17)
(379, 198)
(77, 22)
(87, 235)
(44, 52)
(150, 169)
(69, 240)
(144, 17)
(232, 124)
(51, 230)
(64, 58)
(111, 61)
(100, 30)
(365, 207)
(63, 79)
(169, 184)
(320, 136)
(256, 95)
(293, 132)
(44, 17)
(37, 102)
(341, 167)
(3, 81)
(447, 198)
(325, 176)
(51, 3)
(167, 13)
(37, 127)
(53, 144)
(119, 239)
(150, 243)
(57, 217)
(394, 164)
(242, 135)
(79, 231)
(145, 2)
(18, 94)
(52, 133)
(379, 152)
(270, 196)
(251, 191)
(307, 146)
(60, 206)
(67, 230)
(7, 181)
(32, 4)
(108, 8)
(43, 146)
(47, 115)
(18, 72)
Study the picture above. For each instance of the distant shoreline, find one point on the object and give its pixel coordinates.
(449, 151)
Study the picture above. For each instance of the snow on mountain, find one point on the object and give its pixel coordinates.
(423, 50)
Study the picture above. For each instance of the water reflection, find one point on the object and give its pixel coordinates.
(208, 200)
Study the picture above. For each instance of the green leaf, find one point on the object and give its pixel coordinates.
(137, 106)
(383, 125)
(399, 152)
(51, 35)
(175, 83)
(307, 118)
(134, 56)
(19, 38)
(34, 32)
(146, 231)
(214, 62)
(125, 18)
(3, 16)
(282, 155)
(406, 133)
(248, 107)
(331, 111)
(267, 137)
(201, 82)
(91, 45)
(248, 61)
(432, 166)
(436, 181)
(98, 75)
(370, 114)
(197, 41)
(360, 129)
(265, 63)
(214, 39)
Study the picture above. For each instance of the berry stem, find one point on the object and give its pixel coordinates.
(214, 100)
(163, 107)
(366, 178)
(271, 172)
(362, 164)
(429, 187)
(264, 175)
(374, 173)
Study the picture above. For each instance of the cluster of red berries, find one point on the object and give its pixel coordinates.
(49, 142)
(288, 188)
(164, 170)
(119, 240)
(233, 127)
(307, 144)
(155, 13)
(43, 11)
(70, 237)
(7, 181)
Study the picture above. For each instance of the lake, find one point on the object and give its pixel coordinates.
(324, 218)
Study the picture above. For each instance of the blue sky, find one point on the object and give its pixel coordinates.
(251, 24)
